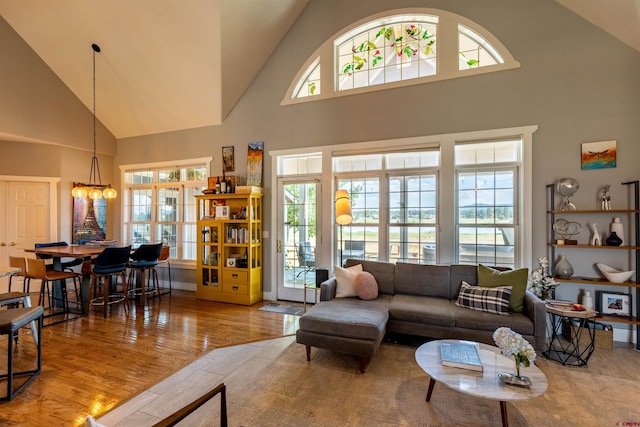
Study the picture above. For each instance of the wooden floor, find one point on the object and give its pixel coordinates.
(91, 364)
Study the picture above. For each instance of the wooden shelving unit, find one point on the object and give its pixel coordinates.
(552, 246)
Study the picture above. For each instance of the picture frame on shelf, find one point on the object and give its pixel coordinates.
(614, 303)
(222, 212)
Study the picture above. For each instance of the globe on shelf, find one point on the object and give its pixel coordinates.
(567, 188)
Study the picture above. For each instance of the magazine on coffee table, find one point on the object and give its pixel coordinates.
(461, 354)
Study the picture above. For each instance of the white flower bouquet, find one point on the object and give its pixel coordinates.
(513, 344)
(540, 283)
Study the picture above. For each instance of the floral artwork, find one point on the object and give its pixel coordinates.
(254, 163)
(599, 155)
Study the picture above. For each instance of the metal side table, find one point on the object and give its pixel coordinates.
(576, 344)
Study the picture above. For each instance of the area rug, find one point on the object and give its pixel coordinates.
(330, 391)
(284, 308)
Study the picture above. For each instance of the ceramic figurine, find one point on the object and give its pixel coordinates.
(595, 238)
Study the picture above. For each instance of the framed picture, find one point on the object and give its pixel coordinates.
(231, 262)
(254, 163)
(599, 155)
(222, 212)
(89, 220)
(614, 303)
(227, 159)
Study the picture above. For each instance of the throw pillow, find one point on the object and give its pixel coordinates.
(517, 279)
(366, 286)
(491, 300)
(345, 278)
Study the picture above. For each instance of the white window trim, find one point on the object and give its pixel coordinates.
(446, 180)
(447, 62)
(159, 165)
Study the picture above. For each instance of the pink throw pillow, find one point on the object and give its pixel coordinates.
(366, 286)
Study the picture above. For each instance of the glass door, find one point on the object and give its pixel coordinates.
(298, 237)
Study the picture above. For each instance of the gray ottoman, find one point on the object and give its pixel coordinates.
(346, 325)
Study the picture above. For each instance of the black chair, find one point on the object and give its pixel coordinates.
(144, 259)
(306, 258)
(111, 262)
(66, 265)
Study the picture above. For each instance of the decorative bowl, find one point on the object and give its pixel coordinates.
(614, 275)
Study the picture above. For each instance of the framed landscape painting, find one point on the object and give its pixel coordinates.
(599, 155)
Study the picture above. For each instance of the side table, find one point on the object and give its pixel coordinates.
(315, 295)
(574, 347)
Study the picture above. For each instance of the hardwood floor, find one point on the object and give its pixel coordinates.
(91, 364)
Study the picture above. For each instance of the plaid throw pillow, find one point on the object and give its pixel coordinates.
(492, 300)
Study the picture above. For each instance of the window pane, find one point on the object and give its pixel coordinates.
(141, 204)
(488, 152)
(415, 244)
(168, 204)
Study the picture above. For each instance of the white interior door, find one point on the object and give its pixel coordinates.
(24, 219)
(298, 236)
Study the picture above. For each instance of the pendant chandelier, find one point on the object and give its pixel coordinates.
(94, 189)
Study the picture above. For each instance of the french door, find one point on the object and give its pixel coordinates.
(298, 236)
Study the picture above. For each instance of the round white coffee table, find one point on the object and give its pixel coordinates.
(484, 384)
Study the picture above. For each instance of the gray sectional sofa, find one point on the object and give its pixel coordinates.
(414, 299)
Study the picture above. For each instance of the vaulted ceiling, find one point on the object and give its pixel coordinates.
(167, 64)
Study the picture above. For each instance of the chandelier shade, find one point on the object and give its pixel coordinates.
(94, 189)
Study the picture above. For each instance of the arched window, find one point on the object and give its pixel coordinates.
(398, 48)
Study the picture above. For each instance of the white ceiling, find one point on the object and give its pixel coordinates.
(167, 64)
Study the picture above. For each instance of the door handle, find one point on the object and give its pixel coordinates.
(12, 244)
(279, 246)
(3, 244)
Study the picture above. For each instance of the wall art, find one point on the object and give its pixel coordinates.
(599, 155)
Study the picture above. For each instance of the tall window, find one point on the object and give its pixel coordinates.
(159, 207)
(398, 48)
(487, 194)
(394, 206)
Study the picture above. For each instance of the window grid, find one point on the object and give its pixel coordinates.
(311, 83)
(359, 240)
(387, 53)
(160, 207)
(475, 51)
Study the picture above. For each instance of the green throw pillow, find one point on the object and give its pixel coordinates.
(517, 279)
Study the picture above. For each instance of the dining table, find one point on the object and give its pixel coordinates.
(70, 251)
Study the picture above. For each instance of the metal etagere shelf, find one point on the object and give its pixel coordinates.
(635, 213)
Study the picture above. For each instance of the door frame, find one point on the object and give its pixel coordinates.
(294, 294)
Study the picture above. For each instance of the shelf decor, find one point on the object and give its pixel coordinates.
(614, 303)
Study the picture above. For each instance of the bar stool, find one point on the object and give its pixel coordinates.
(19, 262)
(38, 270)
(165, 254)
(11, 321)
(111, 262)
(14, 300)
(143, 259)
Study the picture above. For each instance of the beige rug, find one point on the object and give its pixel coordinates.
(330, 391)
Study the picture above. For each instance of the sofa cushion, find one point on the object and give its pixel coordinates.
(428, 310)
(366, 286)
(347, 317)
(421, 279)
(481, 321)
(517, 279)
(459, 273)
(384, 272)
(490, 300)
(346, 278)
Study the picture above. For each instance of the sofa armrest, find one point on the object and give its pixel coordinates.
(328, 289)
(536, 310)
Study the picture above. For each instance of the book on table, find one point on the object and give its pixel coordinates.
(461, 354)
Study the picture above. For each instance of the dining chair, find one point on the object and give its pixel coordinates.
(165, 254)
(66, 265)
(21, 263)
(144, 259)
(111, 262)
(37, 269)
